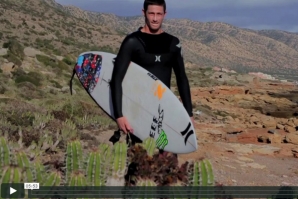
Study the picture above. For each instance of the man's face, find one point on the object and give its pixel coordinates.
(154, 16)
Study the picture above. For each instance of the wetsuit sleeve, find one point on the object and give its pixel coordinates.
(120, 67)
(181, 78)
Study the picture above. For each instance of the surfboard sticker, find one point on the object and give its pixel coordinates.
(88, 70)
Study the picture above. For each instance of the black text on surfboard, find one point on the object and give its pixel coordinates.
(156, 128)
(187, 133)
(152, 76)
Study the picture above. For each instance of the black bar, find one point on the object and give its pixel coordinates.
(163, 192)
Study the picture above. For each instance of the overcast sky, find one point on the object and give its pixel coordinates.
(253, 14)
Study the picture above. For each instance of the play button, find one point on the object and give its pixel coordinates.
(12, 190)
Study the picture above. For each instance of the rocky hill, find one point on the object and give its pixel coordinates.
(46, 24)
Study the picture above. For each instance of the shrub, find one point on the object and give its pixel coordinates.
(54, 63)
(32, 77)
(15, 48)
(12, 58)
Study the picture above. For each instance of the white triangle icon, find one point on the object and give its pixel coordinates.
(12, 190)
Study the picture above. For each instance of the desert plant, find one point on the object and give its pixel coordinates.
(104, 165)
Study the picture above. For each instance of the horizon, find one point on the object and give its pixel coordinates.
(253, 14)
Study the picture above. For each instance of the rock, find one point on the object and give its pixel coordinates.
(7, 67)
(275, 139)
(272, 131)
(263, 138)
(31, 52)
(269, 123)
(280, 126)
(295, 152)
(266, 150)
(3, 51)
(215, 132)
(240, 148)
(237, 120)
(290, 129)
(219, 117)
(290, 123)
(292, 138)
(245, 159)
(60, 58)
(256, 165)
(229, 118)
(295, 121)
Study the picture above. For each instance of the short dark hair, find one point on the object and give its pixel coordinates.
(154, 2)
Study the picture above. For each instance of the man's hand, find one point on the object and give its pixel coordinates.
(124, 125)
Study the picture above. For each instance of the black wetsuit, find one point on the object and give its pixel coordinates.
(158, 54)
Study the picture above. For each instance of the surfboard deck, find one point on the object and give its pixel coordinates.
(151, 107)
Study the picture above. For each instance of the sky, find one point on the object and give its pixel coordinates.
(252, 14)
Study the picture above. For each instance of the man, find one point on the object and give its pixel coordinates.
(142, 48)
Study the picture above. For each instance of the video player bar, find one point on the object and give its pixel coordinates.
(165, 192)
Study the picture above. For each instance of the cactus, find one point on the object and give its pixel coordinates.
(145, 183)
(150, 146)
(4, 152)
(77, 178)
(11, 174)
(53, 179)
(24, 163)
(74, 159)
(95, 171)
(119, 165)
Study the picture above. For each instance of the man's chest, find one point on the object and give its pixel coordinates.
(146, 59)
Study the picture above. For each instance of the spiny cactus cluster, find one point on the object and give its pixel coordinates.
(104, 165)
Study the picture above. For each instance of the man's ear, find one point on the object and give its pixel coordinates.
(143, 12)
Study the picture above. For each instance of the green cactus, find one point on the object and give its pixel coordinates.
(24, 163)
(145, 183)
(106, 165)
(201, 174)
(53, 179)
(150, 145)
(38, 171)
(94, 170)
(11, 174)
(77, 178)
(74, 159)
(119, 155)
(4, 152)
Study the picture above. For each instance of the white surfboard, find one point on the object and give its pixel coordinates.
(151, 108)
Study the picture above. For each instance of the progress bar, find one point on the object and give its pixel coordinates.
(163, 192)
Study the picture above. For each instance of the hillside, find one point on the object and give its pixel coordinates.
(215, 43)
(70, 30)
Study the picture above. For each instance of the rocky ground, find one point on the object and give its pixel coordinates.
(237, 132)
(253, 139)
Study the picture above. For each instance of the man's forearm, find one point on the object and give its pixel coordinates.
(116, 95)
(120, 67)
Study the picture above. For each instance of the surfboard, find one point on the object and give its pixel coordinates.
(151, 108)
